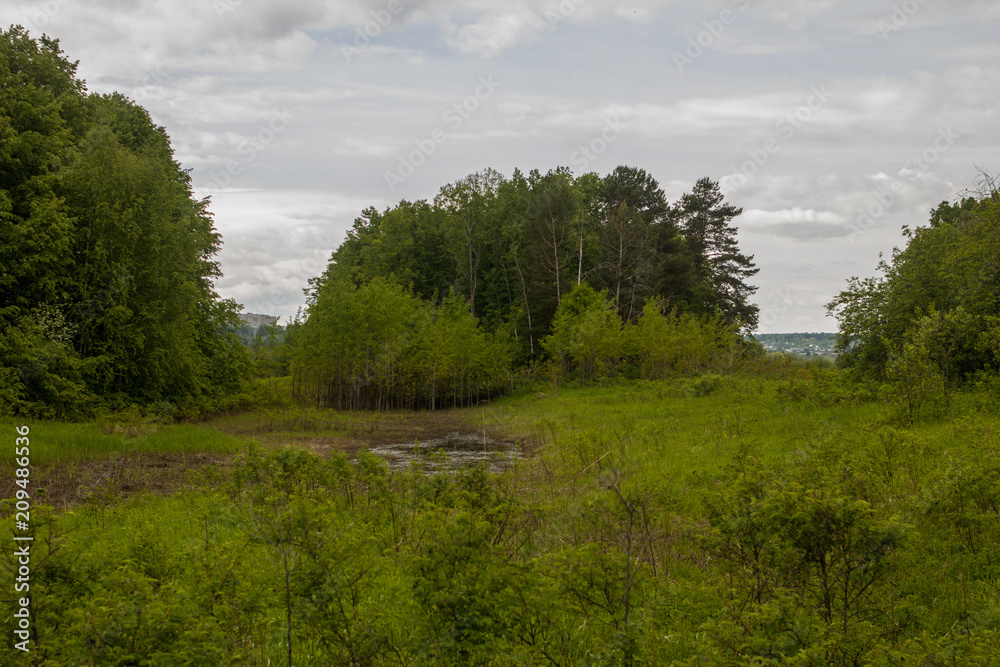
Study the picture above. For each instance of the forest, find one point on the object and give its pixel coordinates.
(93, 209)
(680, 495)
(94, 206)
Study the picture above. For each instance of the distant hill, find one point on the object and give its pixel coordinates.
(804, 344)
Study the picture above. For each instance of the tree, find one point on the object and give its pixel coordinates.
(663, 342)
(719, 269)
(631, 207)
(512, 201)
(553, 214)
(950, 266)
(93, 209)
(148, 331)
(586, 334)
(379, 347)
(468, 204)
(404, 242)
(806, 571)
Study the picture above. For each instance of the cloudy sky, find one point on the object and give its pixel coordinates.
(831, 123)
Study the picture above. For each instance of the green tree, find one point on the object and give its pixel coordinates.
(107, 257)
(512, 202)
(632, 209)
(806, 569)
(665, 342)
(951, 264)
(468, 204)
(379, 347)
(554, 212)
(586, 337)
(719, 270)
(403, 243)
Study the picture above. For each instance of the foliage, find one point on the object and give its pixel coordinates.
(719, 270)
(92, 208)
(586, 335)
(784, 517)
(665, 344)
(807, 566)
(938, 294)
(376, 346)
(515, 247)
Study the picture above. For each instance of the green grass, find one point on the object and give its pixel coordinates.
(666, 436)
(672, 446)
(293, 421)
(58, 442)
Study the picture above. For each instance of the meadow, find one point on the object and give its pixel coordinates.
(189, 497)
(781, 517)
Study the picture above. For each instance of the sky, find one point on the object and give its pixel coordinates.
(833, 124)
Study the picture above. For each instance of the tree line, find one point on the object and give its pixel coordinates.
(433, 303)
(379, 347)
(109, 261)
(106, 257)
(931, 321)
(513, 247)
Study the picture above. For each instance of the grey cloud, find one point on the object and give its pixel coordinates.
(213, 82)
(804, 231)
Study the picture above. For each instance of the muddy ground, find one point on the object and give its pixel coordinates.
(109, 480)
(106, 481)
(368, 431)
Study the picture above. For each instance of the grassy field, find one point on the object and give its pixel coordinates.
(55, 443)
(673, 522)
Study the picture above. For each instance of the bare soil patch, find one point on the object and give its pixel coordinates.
(368, 430)
(106, 481)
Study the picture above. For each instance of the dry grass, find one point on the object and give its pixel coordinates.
(106, 481)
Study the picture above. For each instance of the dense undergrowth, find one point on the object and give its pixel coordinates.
(746, 519)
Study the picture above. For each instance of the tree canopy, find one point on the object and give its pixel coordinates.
(107, 257)
(937, 298)
(514, 247)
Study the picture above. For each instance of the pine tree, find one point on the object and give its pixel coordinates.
(718, 269)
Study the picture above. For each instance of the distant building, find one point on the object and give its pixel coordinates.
(256, 320)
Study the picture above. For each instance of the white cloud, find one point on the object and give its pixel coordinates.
(276, 240)
(495, 32)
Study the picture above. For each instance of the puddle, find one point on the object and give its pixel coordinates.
(450, 453)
